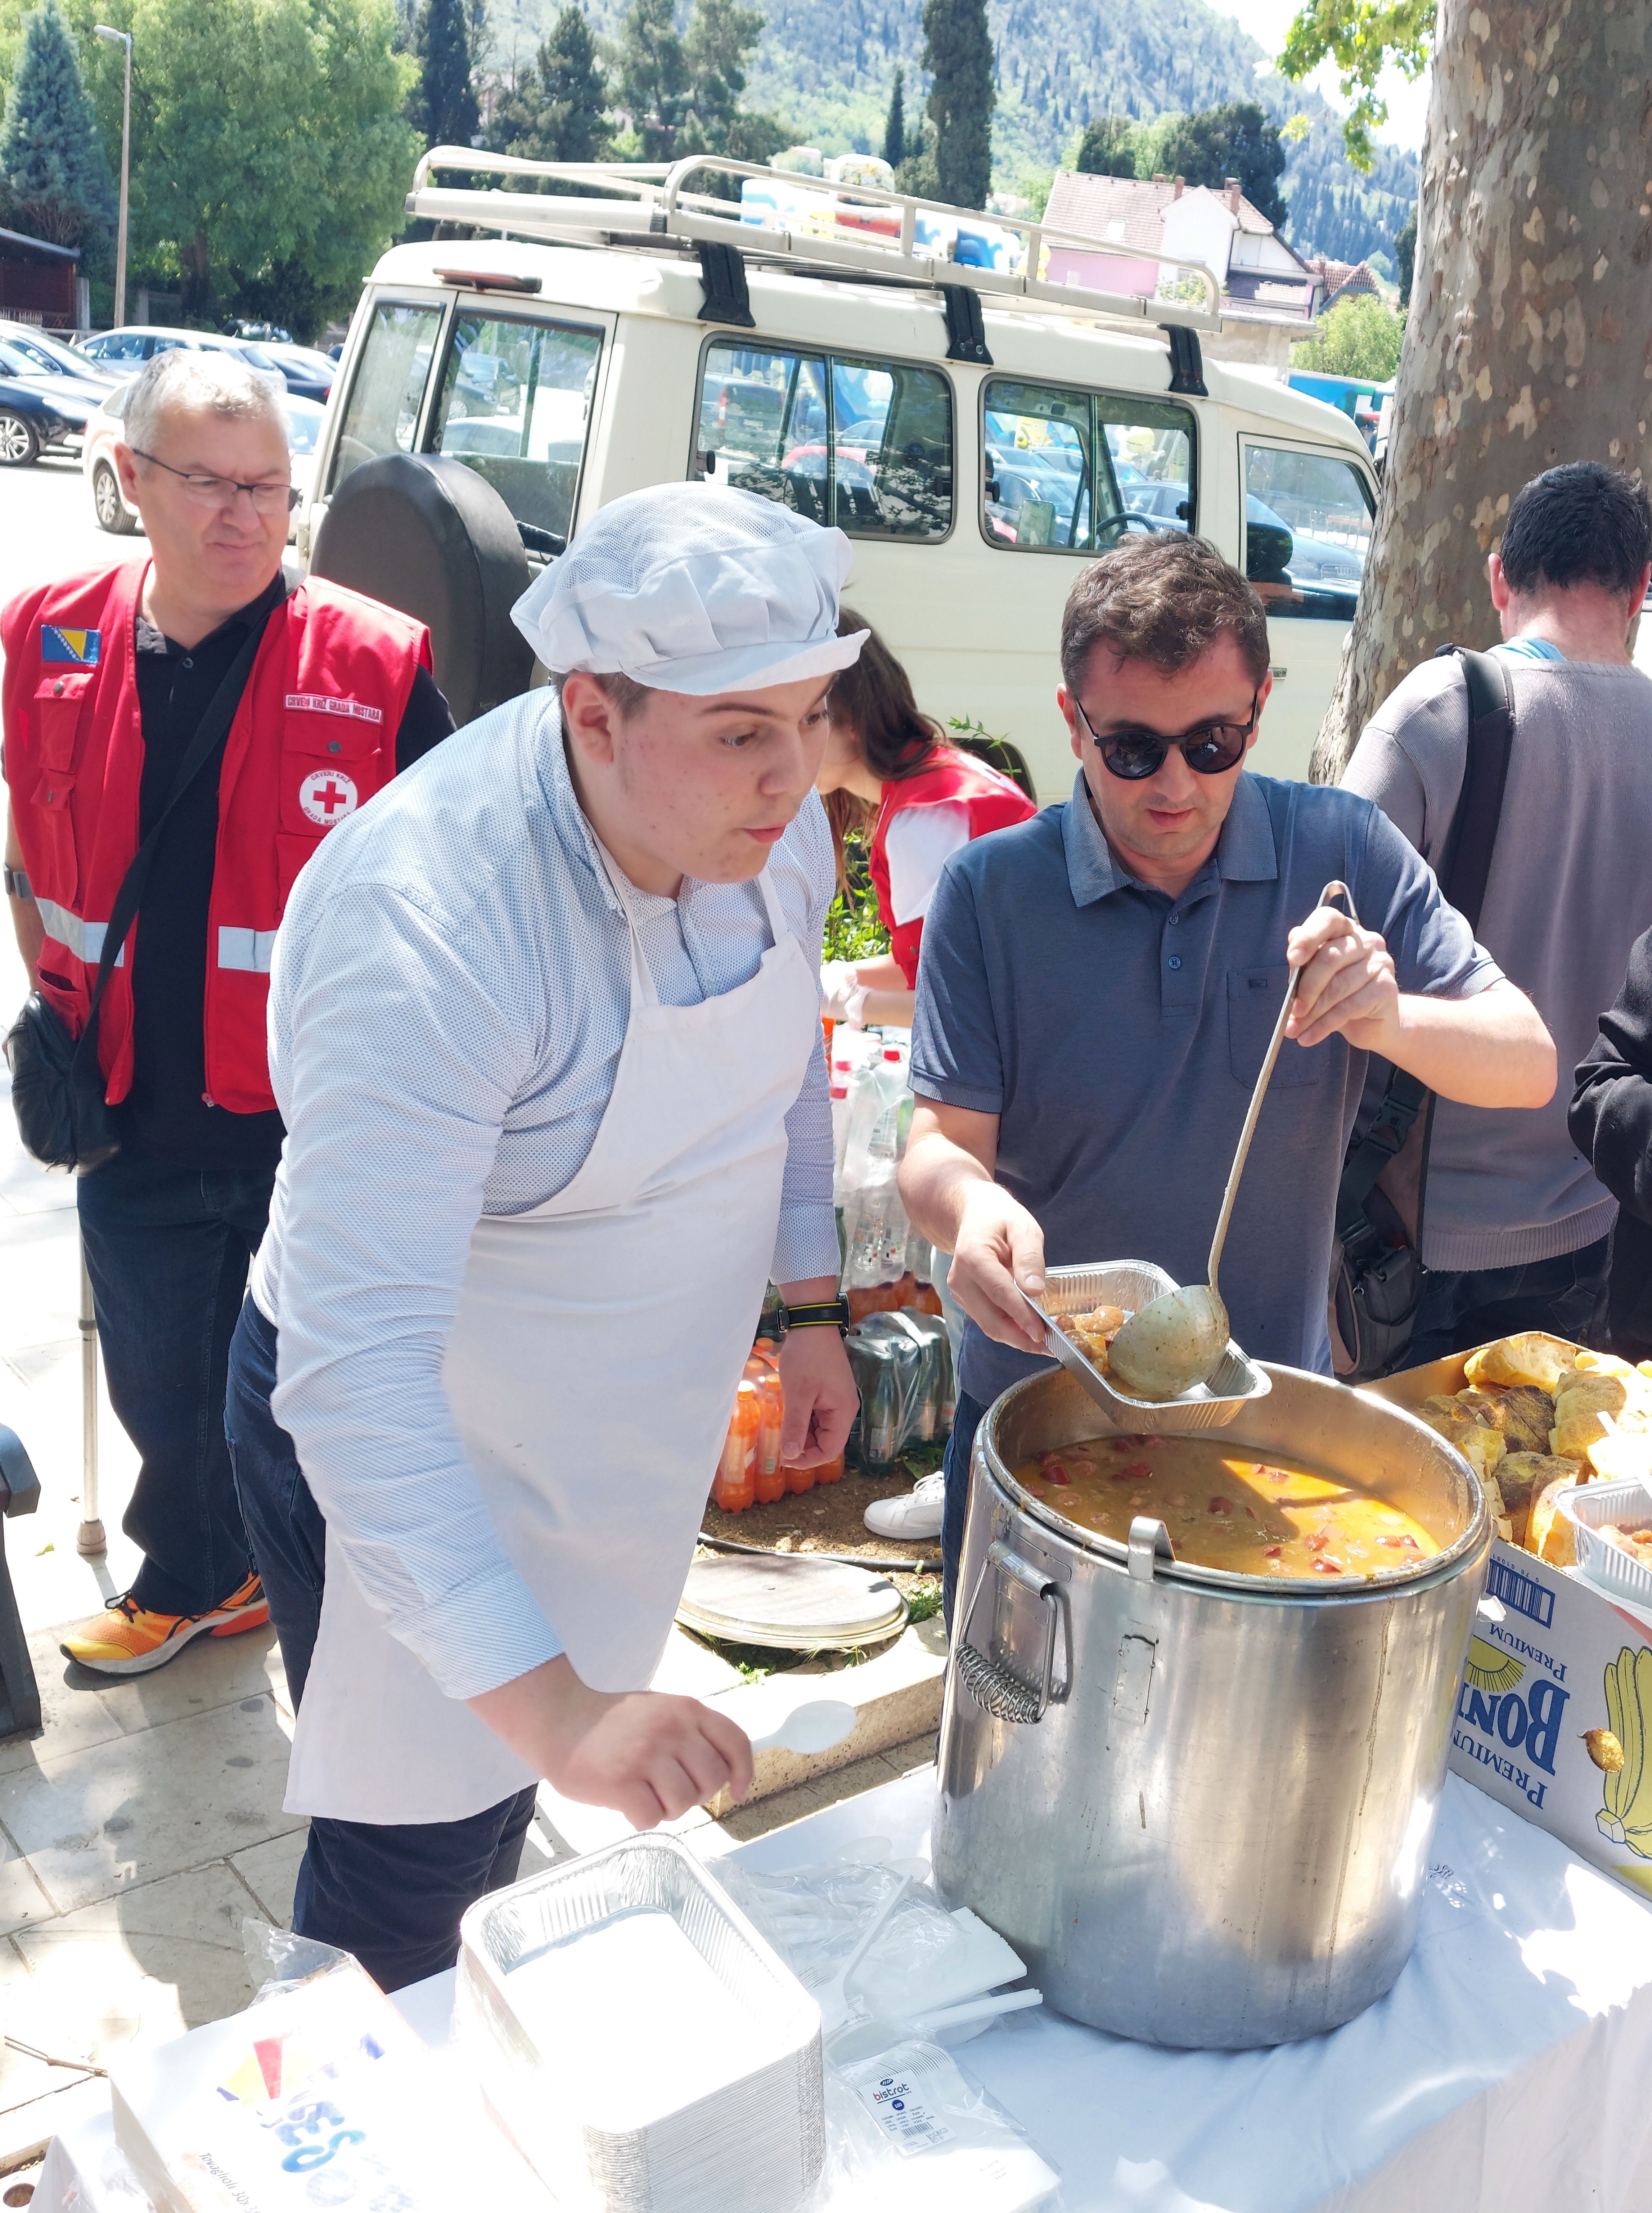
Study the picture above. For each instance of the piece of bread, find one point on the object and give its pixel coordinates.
(1495, 1508)
(1523, 1412)
(1481, 1446)
(1548, 1532)
(1627, 1451)
(1578, 1407)
(1522, 1477)
(1531, 1357)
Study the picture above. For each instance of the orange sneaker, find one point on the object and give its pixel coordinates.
(126, 1639)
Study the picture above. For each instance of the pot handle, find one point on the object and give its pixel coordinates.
(994, 1687)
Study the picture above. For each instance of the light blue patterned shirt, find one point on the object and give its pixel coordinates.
(449, 995)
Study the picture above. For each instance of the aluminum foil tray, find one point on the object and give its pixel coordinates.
(1626, 1502)
(755, 2144)
(1131, 1283)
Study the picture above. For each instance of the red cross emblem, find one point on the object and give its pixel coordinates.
(327, 796)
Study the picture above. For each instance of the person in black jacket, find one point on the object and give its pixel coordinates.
(1610, 1125)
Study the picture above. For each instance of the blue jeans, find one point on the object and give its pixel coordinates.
(167, 1249)
(1462, 1308)
(967, 1419)
(392, 1893)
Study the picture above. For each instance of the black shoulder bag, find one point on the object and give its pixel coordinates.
(1377, 1284)
(58, 1088)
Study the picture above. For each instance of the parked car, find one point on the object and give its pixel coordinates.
(49, 356)
(104, 433)
(852, 399)
(123, 353)
(307, 372)
(41, 410)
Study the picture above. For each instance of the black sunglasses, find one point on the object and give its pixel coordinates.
(1210, 750)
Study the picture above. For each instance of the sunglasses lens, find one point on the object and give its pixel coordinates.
(1134, 758)
(1217, 750)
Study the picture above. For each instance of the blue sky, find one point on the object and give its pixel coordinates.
(1269, 21)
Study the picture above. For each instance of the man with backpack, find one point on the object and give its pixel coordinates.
(1514, 1226)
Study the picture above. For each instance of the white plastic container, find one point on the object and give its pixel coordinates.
(645, 2048)
(1625, 1502)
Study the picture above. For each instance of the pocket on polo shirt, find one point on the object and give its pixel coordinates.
(1254, 997)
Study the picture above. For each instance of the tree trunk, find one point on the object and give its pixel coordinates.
(1529, 340)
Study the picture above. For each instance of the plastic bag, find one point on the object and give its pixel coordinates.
(907, 2128)
(284, 1960)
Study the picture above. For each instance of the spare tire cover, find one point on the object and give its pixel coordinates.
(423, 533)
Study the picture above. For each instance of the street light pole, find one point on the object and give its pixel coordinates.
(124, 38)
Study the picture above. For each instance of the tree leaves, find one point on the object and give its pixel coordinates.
(1361, 36)
(52, 168)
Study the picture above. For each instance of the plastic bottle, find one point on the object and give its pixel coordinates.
(831, 1471)
(769, 1480)
(800, 1479)
(734, 1486)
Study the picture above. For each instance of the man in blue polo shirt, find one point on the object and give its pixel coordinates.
(1099, 985)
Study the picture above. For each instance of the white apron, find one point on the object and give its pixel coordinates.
(590, 1373)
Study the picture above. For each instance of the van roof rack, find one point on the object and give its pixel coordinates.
(607, 199)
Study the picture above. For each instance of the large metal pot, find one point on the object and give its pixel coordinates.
(1199, 1805)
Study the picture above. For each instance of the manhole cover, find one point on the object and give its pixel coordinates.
(798, 1605)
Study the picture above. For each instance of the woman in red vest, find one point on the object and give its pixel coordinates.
(889, 771)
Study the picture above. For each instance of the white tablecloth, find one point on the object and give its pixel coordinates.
(1510, 2070)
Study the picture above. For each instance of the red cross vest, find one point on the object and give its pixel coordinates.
(994, 803)
(314, 737)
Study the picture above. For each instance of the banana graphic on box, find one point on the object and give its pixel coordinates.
(1626, 1816)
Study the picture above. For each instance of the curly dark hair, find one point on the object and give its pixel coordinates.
(873, 697)
(1166, 598)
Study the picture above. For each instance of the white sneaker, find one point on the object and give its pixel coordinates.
(914, 1515)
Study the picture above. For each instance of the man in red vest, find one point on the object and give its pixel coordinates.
(107, 678)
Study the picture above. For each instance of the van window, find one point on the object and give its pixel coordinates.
(861, 443)
(515, 404)
(382, 414)
(1308, 532)
(1071, 471)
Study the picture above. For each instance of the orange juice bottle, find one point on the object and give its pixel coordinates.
(799, 1479)
(771, 1411)
(735, 1485)
(831, 1471)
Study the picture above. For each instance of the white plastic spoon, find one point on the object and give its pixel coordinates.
(832, 1998)
(814, 1727)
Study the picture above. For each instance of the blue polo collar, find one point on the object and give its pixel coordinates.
(1245, 851)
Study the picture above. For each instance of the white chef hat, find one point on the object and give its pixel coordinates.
(693, 587)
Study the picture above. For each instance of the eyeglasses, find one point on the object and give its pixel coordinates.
(220, 491)
(1209, 750)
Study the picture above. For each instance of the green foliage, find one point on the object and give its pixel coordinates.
(443, 107)
(894, 126)
(853, 932)
(269, 144)
(1234, 140)
(1360, 337)
(1405, 257)
(1360, 37)
(1105, 149)
(923, 1601)
(53, 177)
(654, 85)
(958, 55)
(558, 111)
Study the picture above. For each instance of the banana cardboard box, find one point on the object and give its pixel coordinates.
(1554, 1712)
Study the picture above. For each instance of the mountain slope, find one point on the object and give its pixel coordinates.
(824, 66)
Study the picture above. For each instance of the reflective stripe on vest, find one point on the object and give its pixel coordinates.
(84, 939)
(247, 950)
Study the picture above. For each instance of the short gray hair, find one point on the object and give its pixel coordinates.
(219, 383)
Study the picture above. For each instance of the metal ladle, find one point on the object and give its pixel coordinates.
(1176, 1341)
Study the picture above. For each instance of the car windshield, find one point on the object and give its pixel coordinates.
(302, 425)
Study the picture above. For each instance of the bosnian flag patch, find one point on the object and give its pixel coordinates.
(75, 649)
(319, 702)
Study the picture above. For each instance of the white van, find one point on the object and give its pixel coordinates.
(977, 434)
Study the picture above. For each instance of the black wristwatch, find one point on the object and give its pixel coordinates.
(831, 1314)
(17, 884)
